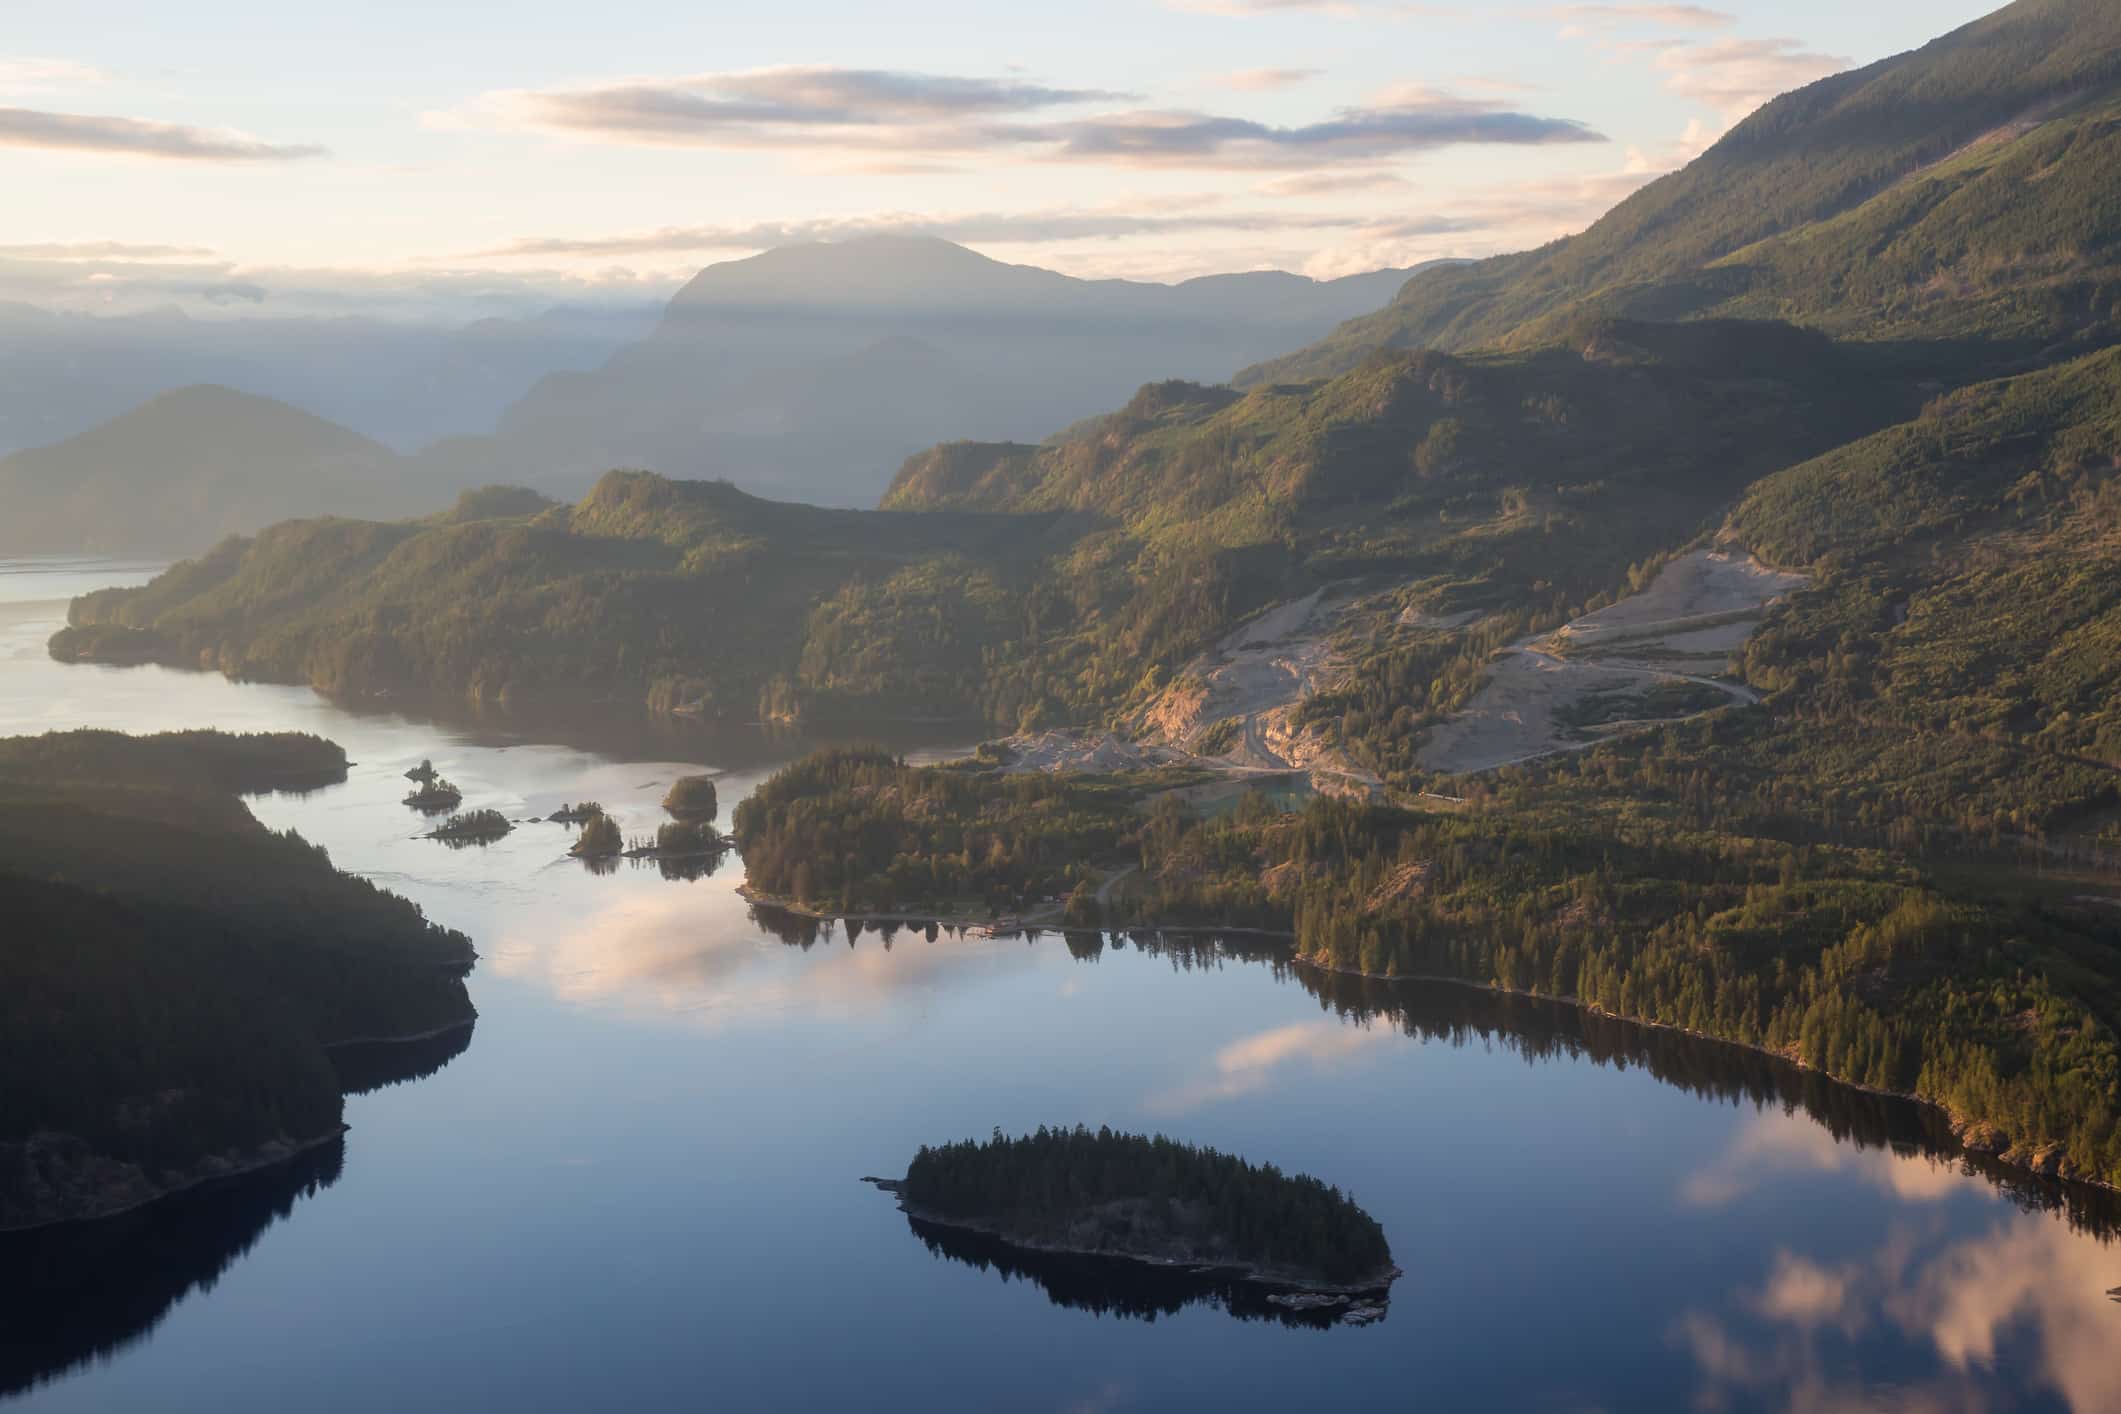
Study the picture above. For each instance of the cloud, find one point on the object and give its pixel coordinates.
(75, 132)
(770, 107)
(905, 116)
(1483, 222)
(34, 73)
(1248, 1065)
(1735, 76)
(1329, 183)
(1580, 18)
(1259, 80)
(1184, 139)
(156, 277)
(1339, 9)
(100, 250)
(995, 228)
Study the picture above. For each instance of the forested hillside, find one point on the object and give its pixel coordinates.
(172, 972)
(1625, 879)
(1027, 587)
(1963, 191)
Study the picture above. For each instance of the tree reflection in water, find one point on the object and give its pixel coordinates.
(1114, 1286)
(1540, 1030)
(85, 1291)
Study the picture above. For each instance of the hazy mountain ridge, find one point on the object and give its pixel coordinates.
(810, 372)
(191, 466)
(404, 385)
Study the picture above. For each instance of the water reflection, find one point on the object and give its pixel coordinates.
(367, 1066)
(1109, 1286)
(1251, 1063)
(1904, 1148)
(651, 954)
(85, 1291)
(2009, 1311)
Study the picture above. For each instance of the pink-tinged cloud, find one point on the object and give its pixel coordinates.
(824, 113)
(133, 137)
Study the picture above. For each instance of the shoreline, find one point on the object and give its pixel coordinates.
(254, 1166)
(1381, 1285)
(408, 1038)
(258, 1163)
(1959, 1125)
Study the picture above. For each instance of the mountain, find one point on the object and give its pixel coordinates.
(404, 384)
(189, 467)
(1034, 584)
(622, 599)
(1962, 191)
(810, 371)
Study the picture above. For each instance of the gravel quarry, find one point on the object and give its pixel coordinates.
(1682, 629)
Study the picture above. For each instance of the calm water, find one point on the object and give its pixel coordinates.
(636, 1186)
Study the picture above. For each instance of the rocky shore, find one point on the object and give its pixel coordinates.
(49, 1179)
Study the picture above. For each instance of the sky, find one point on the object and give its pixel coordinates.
(412, 158)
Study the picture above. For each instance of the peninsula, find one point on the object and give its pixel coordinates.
(175, 977)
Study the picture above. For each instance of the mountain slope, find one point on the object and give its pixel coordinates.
(688, 596)
(1031, 585)
(1962, 188)
(808, 372)
(189, 467)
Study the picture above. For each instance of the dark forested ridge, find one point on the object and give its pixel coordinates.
(172, 971)
(1130, 1195)
(860, 830)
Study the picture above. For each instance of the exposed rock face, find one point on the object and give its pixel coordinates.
(1681, 628)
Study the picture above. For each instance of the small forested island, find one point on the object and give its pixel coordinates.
(1152, 1200)
(434, 796)
(692, 799)
(472, 827)
(175, 977)
(600, 838)
(677, 839)
(576, 812)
